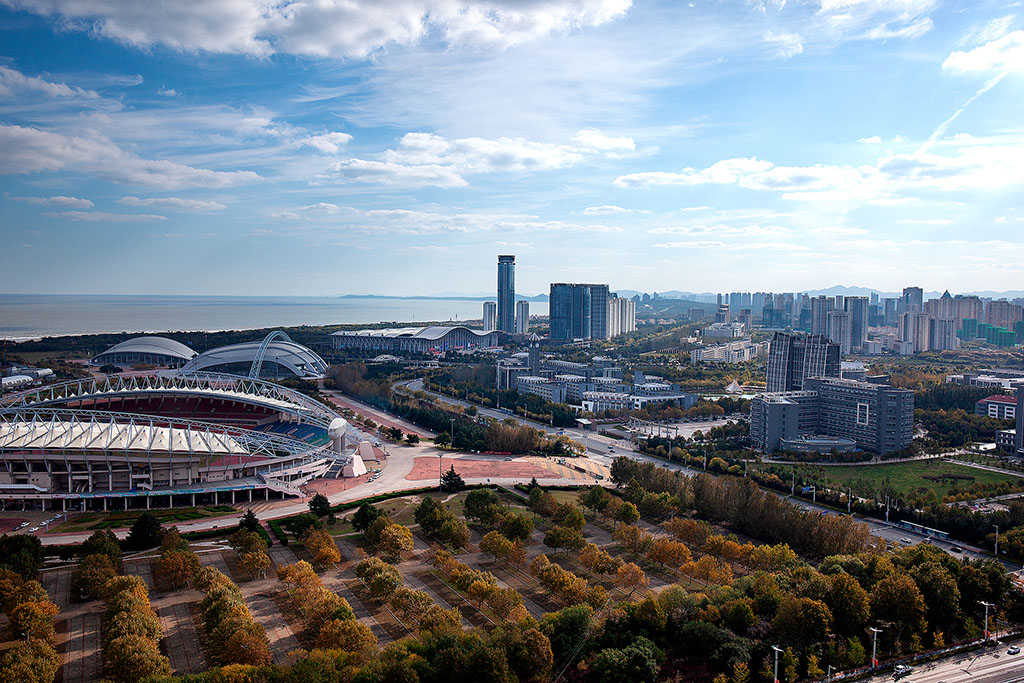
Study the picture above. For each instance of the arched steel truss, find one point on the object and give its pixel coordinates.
(257, 361)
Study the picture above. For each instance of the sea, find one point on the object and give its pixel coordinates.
(32, 316)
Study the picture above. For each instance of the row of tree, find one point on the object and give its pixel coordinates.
(131, 632)
(233, 634)
(318, 605)
(30, 614)
(481, 586)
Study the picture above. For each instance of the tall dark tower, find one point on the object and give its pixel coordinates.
(507, 294)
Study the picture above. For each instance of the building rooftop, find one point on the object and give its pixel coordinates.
(1000, 398)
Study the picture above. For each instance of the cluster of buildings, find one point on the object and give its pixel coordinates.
(810, 406)
(731, 352)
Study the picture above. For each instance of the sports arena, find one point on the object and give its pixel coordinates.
(165, 441)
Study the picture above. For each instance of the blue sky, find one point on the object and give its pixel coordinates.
(397, 146)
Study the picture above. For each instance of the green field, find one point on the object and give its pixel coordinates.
(910, 479)
(96, 521)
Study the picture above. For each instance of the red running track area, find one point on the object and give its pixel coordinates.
(426, 467)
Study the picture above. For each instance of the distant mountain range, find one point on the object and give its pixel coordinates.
(445, 297)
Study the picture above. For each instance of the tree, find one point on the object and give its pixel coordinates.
(323, 548)
(802, 621)
(301, 524)
(22, 554)
(455, 533)
(249, 522)
(481, 505)
(177, 568)
(574, 519)
(319, 505)
(395, 433)
(443, 439)
(33, 619)
(103, 543)
(412, 439)
(133, 658)
(29, 661)
(92, 574)
(637, 662)
(563, 537)
(451, 481)
(566, 629)
(410, 605)
(350, 635)
(394, 540)
(627, 514)
(595, 499)
(740, 673)
(515, 527)
(849, 604)
(145, 532)
(665, 551)
(897, 599)
(631, 577)
(364, 516)
(431, 515)
(255, 563)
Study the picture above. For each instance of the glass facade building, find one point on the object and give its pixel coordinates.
(578, 311)
(507, 293)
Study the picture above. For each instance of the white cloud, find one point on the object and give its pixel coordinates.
(324, 28)
(873, 140)
(59, 200)
(388, 173)
(927, 221)
(595, 139)
(604, 210)
(879, 19)
(101, 217)
(1003, 54)
(328, 143)
(786, 44)
(30, 150)
(167, 92)
(173, 203)
(12, 82)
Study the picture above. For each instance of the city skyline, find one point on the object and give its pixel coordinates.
(781, 143)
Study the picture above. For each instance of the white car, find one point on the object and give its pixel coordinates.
(1013, 650)
(906, 540)
(33, 529)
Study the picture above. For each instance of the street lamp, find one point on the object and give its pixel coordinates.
(828, 676)
(997, 540)
(775, 677)
(987, 605)
(874, 645)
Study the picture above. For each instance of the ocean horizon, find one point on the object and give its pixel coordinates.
(32, 316)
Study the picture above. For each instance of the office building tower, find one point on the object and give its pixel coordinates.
(889, 318)
(942, 334)
(621, 316)
(578, 311)
(915, 330)
(490, 316)
(522, 317)
(839, 330)
(875, 417)
(506, 293)
(913, 300)
(792, 358)
(874, 298)
(858, 308)
(696, 314)
(820, 307)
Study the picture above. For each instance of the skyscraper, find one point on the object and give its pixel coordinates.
(839, 330)
(913, 299)
(820, 306)
(506, 293)
(490, 316)
(578, 311)
(621, 316)
(792, 358)
(857, 307)
(522, 317)
(914, 328)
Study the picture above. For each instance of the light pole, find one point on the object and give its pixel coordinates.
(887, 509)
(997, 540)
(874, 645)
(775, 676)
(987, 605)
(828, 676)
(849, 500)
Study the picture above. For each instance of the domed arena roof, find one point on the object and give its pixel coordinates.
(147, 346)
(279, 355)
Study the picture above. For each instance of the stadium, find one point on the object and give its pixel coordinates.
(166, 441)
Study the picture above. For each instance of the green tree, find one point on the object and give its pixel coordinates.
(412, 439)
(595, 499)
(91, 575)
(132, 658)
(103, 543)
(566, 630)
(848, 602)
(249, 522)
(482, 505)
(319, 505)
(29, 661)
(637, 662)
(364, 516)
(627, 514)
(451, 481)
(22, 554)
(515, 527)
(443, 439)
(897, 599)
(145, 532)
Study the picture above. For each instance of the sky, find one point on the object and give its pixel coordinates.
(323, 147)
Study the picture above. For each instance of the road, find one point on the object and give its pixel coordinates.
(987, 665)
(604, 449)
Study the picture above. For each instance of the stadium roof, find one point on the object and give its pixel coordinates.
(153, 345)
(432, 332)
(299, 360)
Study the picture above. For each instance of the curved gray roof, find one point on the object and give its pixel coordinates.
(432, 332)
(153, 345)
(301, 361)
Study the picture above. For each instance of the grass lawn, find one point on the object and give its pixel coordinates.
(909, 478)
(95, 521)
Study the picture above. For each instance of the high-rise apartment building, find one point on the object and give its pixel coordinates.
(942, 334)
(915, 329)
(857, 307)
(839, 330)
(621, 316)
(506, 293)
(792, 358)
(913, 300)
(522, 317)
(820, 307)
(1018, 437)
(578, 311)
(1003, 314)
(490, 316)
(889, 316)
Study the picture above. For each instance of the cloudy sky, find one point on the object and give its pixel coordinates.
(397, 146)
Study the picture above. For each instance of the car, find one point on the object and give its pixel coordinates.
(957, 549)
(33, 529)
(1013, 650)
(903, 668)
(906, 540)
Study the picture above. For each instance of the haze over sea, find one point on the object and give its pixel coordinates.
(29, 316)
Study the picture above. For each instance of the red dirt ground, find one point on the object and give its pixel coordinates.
(9, 524)
(378, 417)
(425, 467)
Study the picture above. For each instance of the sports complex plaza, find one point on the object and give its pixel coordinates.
(212, 429)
